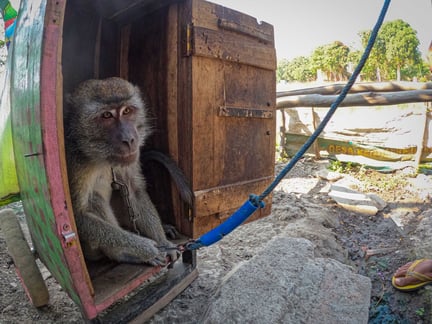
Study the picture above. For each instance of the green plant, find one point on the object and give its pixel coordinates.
(420, 312)
(342, 167)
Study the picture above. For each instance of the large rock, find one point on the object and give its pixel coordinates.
(285, 283)
(355, 201)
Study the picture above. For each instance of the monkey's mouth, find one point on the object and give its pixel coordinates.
(125, 158)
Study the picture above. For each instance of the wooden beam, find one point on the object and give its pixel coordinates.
(360, 99)
(335, 89)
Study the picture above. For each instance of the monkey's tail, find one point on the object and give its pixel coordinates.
(175, 172)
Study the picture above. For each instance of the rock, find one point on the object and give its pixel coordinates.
(378, 202)
(422, 234)
(329, 175)
(285, 283)
(355, 201)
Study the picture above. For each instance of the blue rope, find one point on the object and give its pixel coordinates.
(333, 107)
(255, 201)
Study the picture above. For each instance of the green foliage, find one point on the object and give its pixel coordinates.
(342, 167)
(395, 56)
(2, 49)
(332, 59)
(296, 70)
(420, 312)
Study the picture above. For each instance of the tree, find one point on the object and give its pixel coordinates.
(376, 64)
(282, 70)
(298, 69)
(395, 51)
(401, 45)
(332, 59)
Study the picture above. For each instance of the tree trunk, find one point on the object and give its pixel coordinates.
(360, 87)
(378, 74)
(359, 99)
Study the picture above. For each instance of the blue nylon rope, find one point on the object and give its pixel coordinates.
(255, 201)
(333, 107)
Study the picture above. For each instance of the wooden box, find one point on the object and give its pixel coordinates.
(209, 74)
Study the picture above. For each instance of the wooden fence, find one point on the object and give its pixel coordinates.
(385, 125)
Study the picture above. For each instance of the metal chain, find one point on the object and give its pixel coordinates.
(124, 193)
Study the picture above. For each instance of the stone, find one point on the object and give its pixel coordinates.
(329, 175)
(355, 201)
(286, 283)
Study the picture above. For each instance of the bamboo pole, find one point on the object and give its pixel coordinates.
(335, 89)
(359, 99)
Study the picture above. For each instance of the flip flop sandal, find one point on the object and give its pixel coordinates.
(425, 280)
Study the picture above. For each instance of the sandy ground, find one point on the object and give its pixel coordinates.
(374, 245)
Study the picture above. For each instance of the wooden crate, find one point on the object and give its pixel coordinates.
(209, 74)
(225, 136)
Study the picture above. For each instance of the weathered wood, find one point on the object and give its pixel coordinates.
(421, 143)
(315, 122)
(226, 46)
(166, 299)
(219, 152)
(335, 89)
(360, 99)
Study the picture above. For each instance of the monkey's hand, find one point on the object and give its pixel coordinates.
(171, 249)
(171, 231)
(138, 250)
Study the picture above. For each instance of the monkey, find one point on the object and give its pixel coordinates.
(105, 125)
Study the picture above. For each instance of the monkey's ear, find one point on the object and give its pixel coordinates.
(68, 102)
(68, 98)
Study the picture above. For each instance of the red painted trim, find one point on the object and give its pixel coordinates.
(128, 288)
(49, 110)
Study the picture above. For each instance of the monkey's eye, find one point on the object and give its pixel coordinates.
(127, 110)
(107, 115)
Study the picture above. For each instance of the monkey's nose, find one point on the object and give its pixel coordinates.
(130, 143)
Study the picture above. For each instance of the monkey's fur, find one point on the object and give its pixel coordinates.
(105, 126)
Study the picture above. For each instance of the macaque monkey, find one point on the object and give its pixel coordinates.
(105, 126)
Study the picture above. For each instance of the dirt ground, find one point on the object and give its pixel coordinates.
(374, 245)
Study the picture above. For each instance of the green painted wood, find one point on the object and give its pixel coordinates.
(28, 144)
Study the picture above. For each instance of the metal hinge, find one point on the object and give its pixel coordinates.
(188, 43)
(68, 234)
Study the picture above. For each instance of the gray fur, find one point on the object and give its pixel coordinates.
(92, 149)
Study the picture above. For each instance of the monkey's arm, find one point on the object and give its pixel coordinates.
(149, 223)
(116, 243)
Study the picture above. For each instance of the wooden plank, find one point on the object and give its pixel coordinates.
(166, 299)
(421, 142)
(125, 33)
(251, 31)
(315, 123)
(216, 17)
(230, 47)
(217, 200)
(202, 225)
(335, 89)
(360, 99)
(109, 285)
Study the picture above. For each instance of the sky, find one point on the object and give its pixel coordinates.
(302, 25)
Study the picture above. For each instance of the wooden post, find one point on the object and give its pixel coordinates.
(315, 123)
(422, 139)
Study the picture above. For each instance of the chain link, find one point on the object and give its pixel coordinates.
(124, 193)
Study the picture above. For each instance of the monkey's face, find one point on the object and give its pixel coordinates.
(118, 128)
(107, 121)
